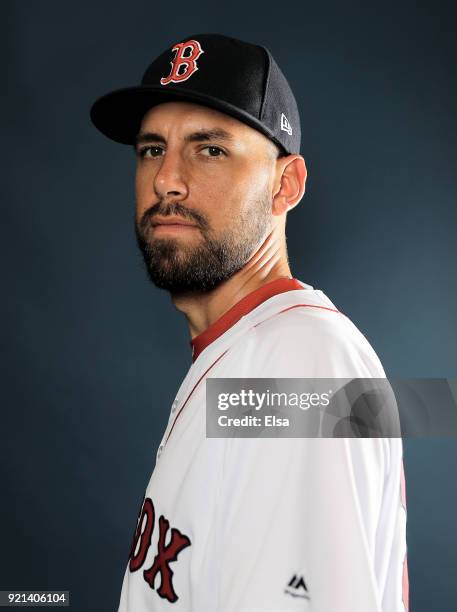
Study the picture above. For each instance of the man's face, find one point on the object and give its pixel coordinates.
(198, 166)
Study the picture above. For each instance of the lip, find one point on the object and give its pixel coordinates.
(173, 228)
(171, 221)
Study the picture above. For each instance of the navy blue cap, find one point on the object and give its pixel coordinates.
(235, 77)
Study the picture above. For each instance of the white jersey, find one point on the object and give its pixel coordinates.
(267, 524)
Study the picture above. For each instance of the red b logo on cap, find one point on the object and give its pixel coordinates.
(185, 63)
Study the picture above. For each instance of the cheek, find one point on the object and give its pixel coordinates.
(219, 200)
(144, 195)
(229, 196)
(250, 185)
(141, 183)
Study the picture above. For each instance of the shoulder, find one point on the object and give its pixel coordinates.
(308, 341)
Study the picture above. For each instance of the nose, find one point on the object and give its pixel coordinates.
(169, 179)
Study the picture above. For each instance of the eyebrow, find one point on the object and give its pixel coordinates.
(198, 136)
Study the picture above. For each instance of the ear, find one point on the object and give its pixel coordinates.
(290, 183)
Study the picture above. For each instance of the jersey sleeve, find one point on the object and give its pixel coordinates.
(300, 524)
(312, 523)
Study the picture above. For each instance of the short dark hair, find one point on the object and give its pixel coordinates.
(280, 152)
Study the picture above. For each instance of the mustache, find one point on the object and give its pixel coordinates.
(173, 209)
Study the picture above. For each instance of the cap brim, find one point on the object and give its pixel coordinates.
(118, 114)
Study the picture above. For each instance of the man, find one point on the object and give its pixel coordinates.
(247, 524)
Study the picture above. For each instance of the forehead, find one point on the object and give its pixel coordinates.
(188, 112)
(184, 117)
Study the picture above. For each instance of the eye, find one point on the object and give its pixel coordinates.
(150, 151)
(213, 151)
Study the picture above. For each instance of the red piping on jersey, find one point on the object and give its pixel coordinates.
(300, 306)
(193, 389)
(241, 308)
(405, 577)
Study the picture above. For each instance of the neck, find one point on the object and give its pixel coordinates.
(268, 263)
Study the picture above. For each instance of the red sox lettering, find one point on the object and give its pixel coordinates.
(165, 554)
(183, 66)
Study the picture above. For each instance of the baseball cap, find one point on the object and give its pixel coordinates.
(235, 77)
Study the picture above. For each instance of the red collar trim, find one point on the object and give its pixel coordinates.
(241, 308)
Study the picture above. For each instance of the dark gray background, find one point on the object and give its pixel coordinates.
(94, 354)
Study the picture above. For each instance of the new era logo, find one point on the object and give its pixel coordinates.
(285, 125)
(297, 587)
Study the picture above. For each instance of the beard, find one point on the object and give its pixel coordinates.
(181, 267)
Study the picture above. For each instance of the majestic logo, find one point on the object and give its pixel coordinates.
(297, 587)
(285, 125)
(184, 63)
(165, 553)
